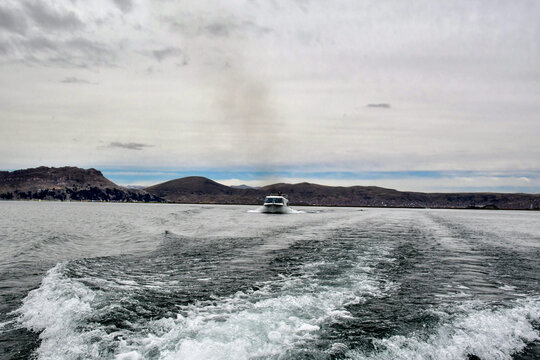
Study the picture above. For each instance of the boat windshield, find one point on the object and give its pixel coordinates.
(270, 200)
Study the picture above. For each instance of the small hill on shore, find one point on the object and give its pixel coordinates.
(66, 183)
(197, 189)
(205, 191)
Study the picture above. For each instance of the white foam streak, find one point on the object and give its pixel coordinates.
(281, 315)
(55, 310)
(257, 324)
(488, 334)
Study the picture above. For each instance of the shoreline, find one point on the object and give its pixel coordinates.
(487, 208)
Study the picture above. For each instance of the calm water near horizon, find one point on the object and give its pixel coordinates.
(162, 281)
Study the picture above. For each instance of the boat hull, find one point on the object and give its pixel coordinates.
(275, 209)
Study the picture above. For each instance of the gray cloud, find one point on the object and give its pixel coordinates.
(4, 48)
(39, 43)
(124, 5)
(74, 80)
(77, 52)
(219, 27)
(381, 105)
(12, 20)
(37, 33)
(51, 19)
(129, 146)
(165, 53)
(224, 27)
(98, 52)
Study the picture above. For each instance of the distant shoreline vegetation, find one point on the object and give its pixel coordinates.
(76, 184)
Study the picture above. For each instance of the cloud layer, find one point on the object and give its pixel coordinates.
(74, 80)
(341, 87)
(128, 146)
(380, 105)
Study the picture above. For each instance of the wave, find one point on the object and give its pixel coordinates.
(270, 320)
(55, 310)
(284, 317)
(264, 322)
(267, 320)
(474, 333)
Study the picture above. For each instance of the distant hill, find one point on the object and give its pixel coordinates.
(243, 186)
(72, 183)
(313, 194)
(66, 183)
(202, 190)
(197, 189)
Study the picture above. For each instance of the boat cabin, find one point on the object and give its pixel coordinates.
(275, 200)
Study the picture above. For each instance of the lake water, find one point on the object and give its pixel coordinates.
(156, 281)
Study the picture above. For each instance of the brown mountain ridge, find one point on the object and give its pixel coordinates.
(196, 189)
(66, 183)
(72, 183)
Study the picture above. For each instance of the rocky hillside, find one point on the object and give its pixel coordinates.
(66, 183)
(202, 190)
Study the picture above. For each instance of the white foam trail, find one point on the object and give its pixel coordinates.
(56, 309)
(261, 323)
(286, 210)
(488, 334)
(293, 211)
(265, 322)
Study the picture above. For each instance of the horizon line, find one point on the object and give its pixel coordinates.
(502, 181)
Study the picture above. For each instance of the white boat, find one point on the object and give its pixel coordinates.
(276, 204)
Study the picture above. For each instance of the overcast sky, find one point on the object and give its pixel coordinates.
(414, 95)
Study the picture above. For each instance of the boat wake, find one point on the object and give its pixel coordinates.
(287, 210)
(266, 322)
(335, 284)
(475, 332)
